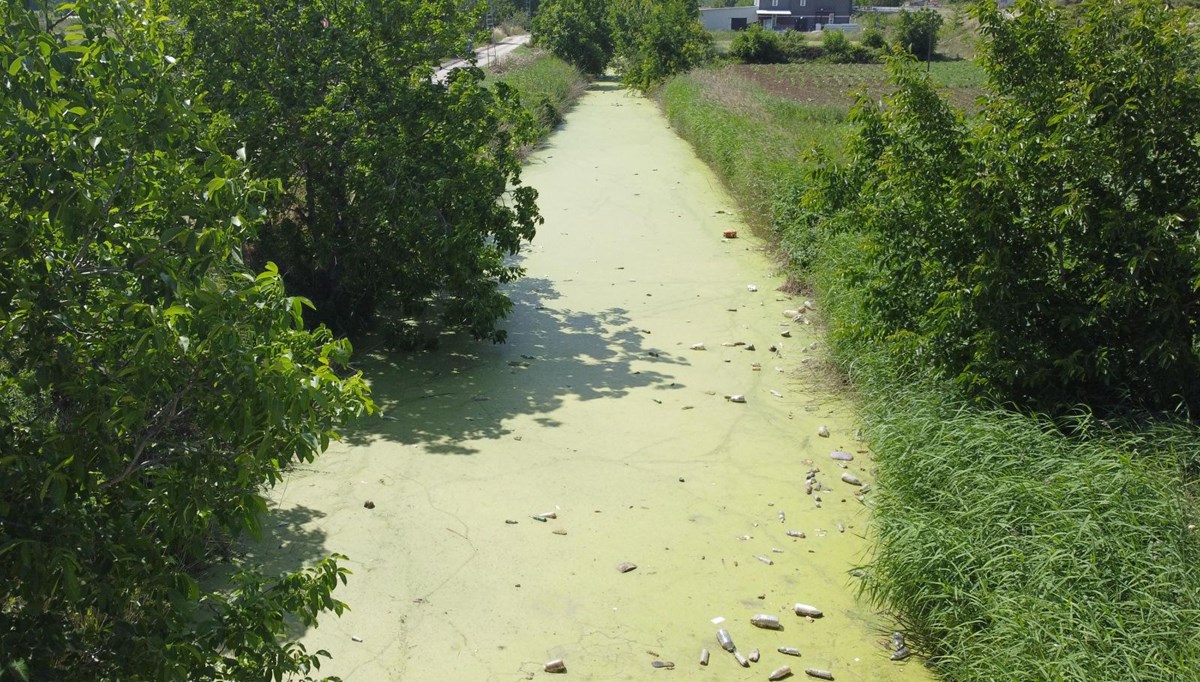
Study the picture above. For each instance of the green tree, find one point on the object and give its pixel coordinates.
(1043, 251)
(656, 39)
(576, 32)
(402, 195)
(917, 32)
(150, 384)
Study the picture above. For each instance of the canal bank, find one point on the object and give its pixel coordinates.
(599, 411)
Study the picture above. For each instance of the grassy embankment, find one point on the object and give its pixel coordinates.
(1008, 550)
(547, 85)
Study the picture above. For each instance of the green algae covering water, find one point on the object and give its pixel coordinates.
(602, 416)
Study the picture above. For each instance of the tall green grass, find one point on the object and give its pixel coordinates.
(758, 144)
(1010, 547)
(547, 85)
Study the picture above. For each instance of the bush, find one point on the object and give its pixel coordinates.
(796, 47)
(917, 32)
(656, 39)
(546, 85)
(839, 50)
(387, 220)
(757, 45)
(873, 38)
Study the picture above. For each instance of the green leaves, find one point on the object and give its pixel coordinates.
(576, 31)
(654, 40)
(400, 196)
(917, 32)
(1042, 251)
(646, 41)
(142, 406)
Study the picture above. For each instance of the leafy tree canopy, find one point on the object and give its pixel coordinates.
(150, 384)
(656, 39)
(576, 31)
(1043, 251)
(402, 196)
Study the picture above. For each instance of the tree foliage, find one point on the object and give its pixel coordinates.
(1045, 250)
(647, 41)
(656, 39)
(576, 31)
(402, 196)
(917, 32)
(150, 384)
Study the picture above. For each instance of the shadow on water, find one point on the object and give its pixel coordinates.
(291, 539)
(466, 391)
(600, 86)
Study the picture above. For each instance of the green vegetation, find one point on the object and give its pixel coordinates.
(917, 32)
(576, 31)
(1012, 552)
(1010, 545)
(401, 195)
(1043, 251)
(656, 39)
(647, 41)
(546, 85)
(756, 45)
(162, 178)
(150, 383)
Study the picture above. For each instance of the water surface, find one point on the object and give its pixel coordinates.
(598, 410)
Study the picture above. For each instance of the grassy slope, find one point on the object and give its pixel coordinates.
(1008, 550)
(547, 85)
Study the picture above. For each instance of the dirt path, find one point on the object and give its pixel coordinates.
(485, 56)
(598, 410)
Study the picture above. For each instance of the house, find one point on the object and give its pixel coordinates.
(802, 15)
(728, 18)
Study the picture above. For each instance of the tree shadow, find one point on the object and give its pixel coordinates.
(598, 86)
(291, 540)
(468, 390)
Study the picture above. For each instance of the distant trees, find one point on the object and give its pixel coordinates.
(150, 383)
(655, 39)
(577, 32)
(1043, 251)
(647, 41)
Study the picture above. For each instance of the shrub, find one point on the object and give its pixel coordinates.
(839, 50)
(796, 47)
(150, 383)
(873, 38)
(386, 218)
(917, 32)
(757, 45)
